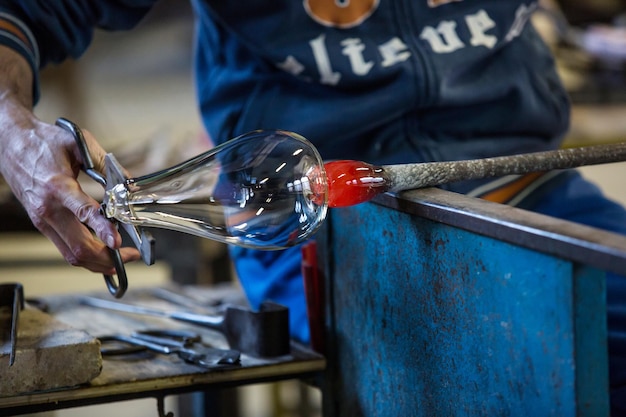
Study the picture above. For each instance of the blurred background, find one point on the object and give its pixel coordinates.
(134, 91)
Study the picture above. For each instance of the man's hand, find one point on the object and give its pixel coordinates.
(41, 162)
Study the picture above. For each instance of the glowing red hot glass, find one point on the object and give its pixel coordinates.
(353, 182)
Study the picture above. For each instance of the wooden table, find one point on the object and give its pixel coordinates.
(157, 375)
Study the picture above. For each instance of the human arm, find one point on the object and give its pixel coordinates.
(40, 162)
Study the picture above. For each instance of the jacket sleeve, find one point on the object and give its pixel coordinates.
(45, 31)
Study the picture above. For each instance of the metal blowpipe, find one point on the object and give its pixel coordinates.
(435, 173)
(354, 182)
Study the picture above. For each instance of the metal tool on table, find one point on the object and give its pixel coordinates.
(142, 239)
(184, 300)
(263, 333)
(185, 344)
(11, 303)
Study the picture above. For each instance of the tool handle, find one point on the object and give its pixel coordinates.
(209, 321)
(117, 289)
(13, 294)
(430, 174)
(132, 345)
(212, 322)
(81, 143)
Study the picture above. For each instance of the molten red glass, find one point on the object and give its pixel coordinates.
(353, 182)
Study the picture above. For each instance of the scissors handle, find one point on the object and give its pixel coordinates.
(117, 289)
(169, 337)
(88, 165)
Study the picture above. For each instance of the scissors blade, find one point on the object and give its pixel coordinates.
(143, 240)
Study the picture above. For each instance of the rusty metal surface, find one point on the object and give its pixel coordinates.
(429, 319)
(429, 174)
(568, 240)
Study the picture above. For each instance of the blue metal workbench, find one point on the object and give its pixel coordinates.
(439, 304)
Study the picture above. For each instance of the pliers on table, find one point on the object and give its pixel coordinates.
(187, 345)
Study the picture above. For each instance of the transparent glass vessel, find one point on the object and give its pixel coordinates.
(262, 190)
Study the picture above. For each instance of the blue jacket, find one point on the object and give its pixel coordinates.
(384, 81)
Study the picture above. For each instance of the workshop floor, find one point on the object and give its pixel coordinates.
(138, 91)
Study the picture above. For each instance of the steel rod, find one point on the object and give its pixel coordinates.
(411, 176)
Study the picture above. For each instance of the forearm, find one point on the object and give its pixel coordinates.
(40, 161)
(16, 78)
(16, 103)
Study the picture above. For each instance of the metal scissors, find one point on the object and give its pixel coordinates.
(187, 345)
(114, 175)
